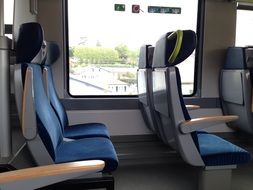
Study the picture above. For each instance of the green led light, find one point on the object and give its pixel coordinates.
(119, 7)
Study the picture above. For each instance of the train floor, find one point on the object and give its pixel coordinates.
(174, 177)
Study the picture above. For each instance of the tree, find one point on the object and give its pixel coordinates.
(95, 55)
(133, 57)
(71, 51)
(123, 52)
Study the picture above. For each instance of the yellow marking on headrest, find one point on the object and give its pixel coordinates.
(179, 35)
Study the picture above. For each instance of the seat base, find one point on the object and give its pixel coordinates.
(106, 181)
(86, 130)
(215, 179)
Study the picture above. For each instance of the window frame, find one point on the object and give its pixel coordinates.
(197, 66)
(242, 7)
(245, 6)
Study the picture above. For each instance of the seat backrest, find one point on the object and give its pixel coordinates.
(26, 53)
(236, 86)
(170, 50)
(145, 91)
(31, 53)
(144, 76)
(53, 54)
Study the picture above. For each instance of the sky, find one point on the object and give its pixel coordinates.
(244, 29)
(97, 20)
(134, 29)
(8, 13)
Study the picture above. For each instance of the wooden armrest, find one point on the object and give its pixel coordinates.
(192, 107)
(204, 122)
(52, 170)
(28, 115)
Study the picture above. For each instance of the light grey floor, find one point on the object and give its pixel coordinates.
(173, 177)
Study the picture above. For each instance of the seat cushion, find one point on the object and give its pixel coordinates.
(88, 149)
(86, 130)
(216, 151)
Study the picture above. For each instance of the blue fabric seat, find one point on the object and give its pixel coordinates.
(74, 131)
(86, 130)
(49, 127)
(198, 148)
(88, 149)
(60, 149)
(217, 151)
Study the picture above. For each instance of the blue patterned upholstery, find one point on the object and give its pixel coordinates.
(88, 149)
(86, 130)
(216, 151)
(74, 131)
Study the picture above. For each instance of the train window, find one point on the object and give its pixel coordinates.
(104, 38)
(243, 31)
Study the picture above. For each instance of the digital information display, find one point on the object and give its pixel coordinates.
(164, 10)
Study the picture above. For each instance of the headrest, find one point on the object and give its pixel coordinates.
(249, 57)
(173, 48)
(143, 57)
(53, 53)
(151, 50)
(239, 58)
(31, 47)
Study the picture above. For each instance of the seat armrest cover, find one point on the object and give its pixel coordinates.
(192, 107)
(52, 170)
(29, 123)
(205, 122)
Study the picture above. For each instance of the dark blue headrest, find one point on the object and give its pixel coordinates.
(53, 53)
(143, 57)
(30, 42)
(151, 50)
(249, 57)
(239, 58)
(173, 48)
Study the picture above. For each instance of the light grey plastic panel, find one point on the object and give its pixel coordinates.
(232, 86)
(159, 91)
(245, 121)
(118, 122)
(1, 17)
(142, 86)
(184, 142)
(161, 113)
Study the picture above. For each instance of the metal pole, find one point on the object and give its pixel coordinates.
(5, 131)
(2, 18)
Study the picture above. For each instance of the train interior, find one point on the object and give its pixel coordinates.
(126, 94)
